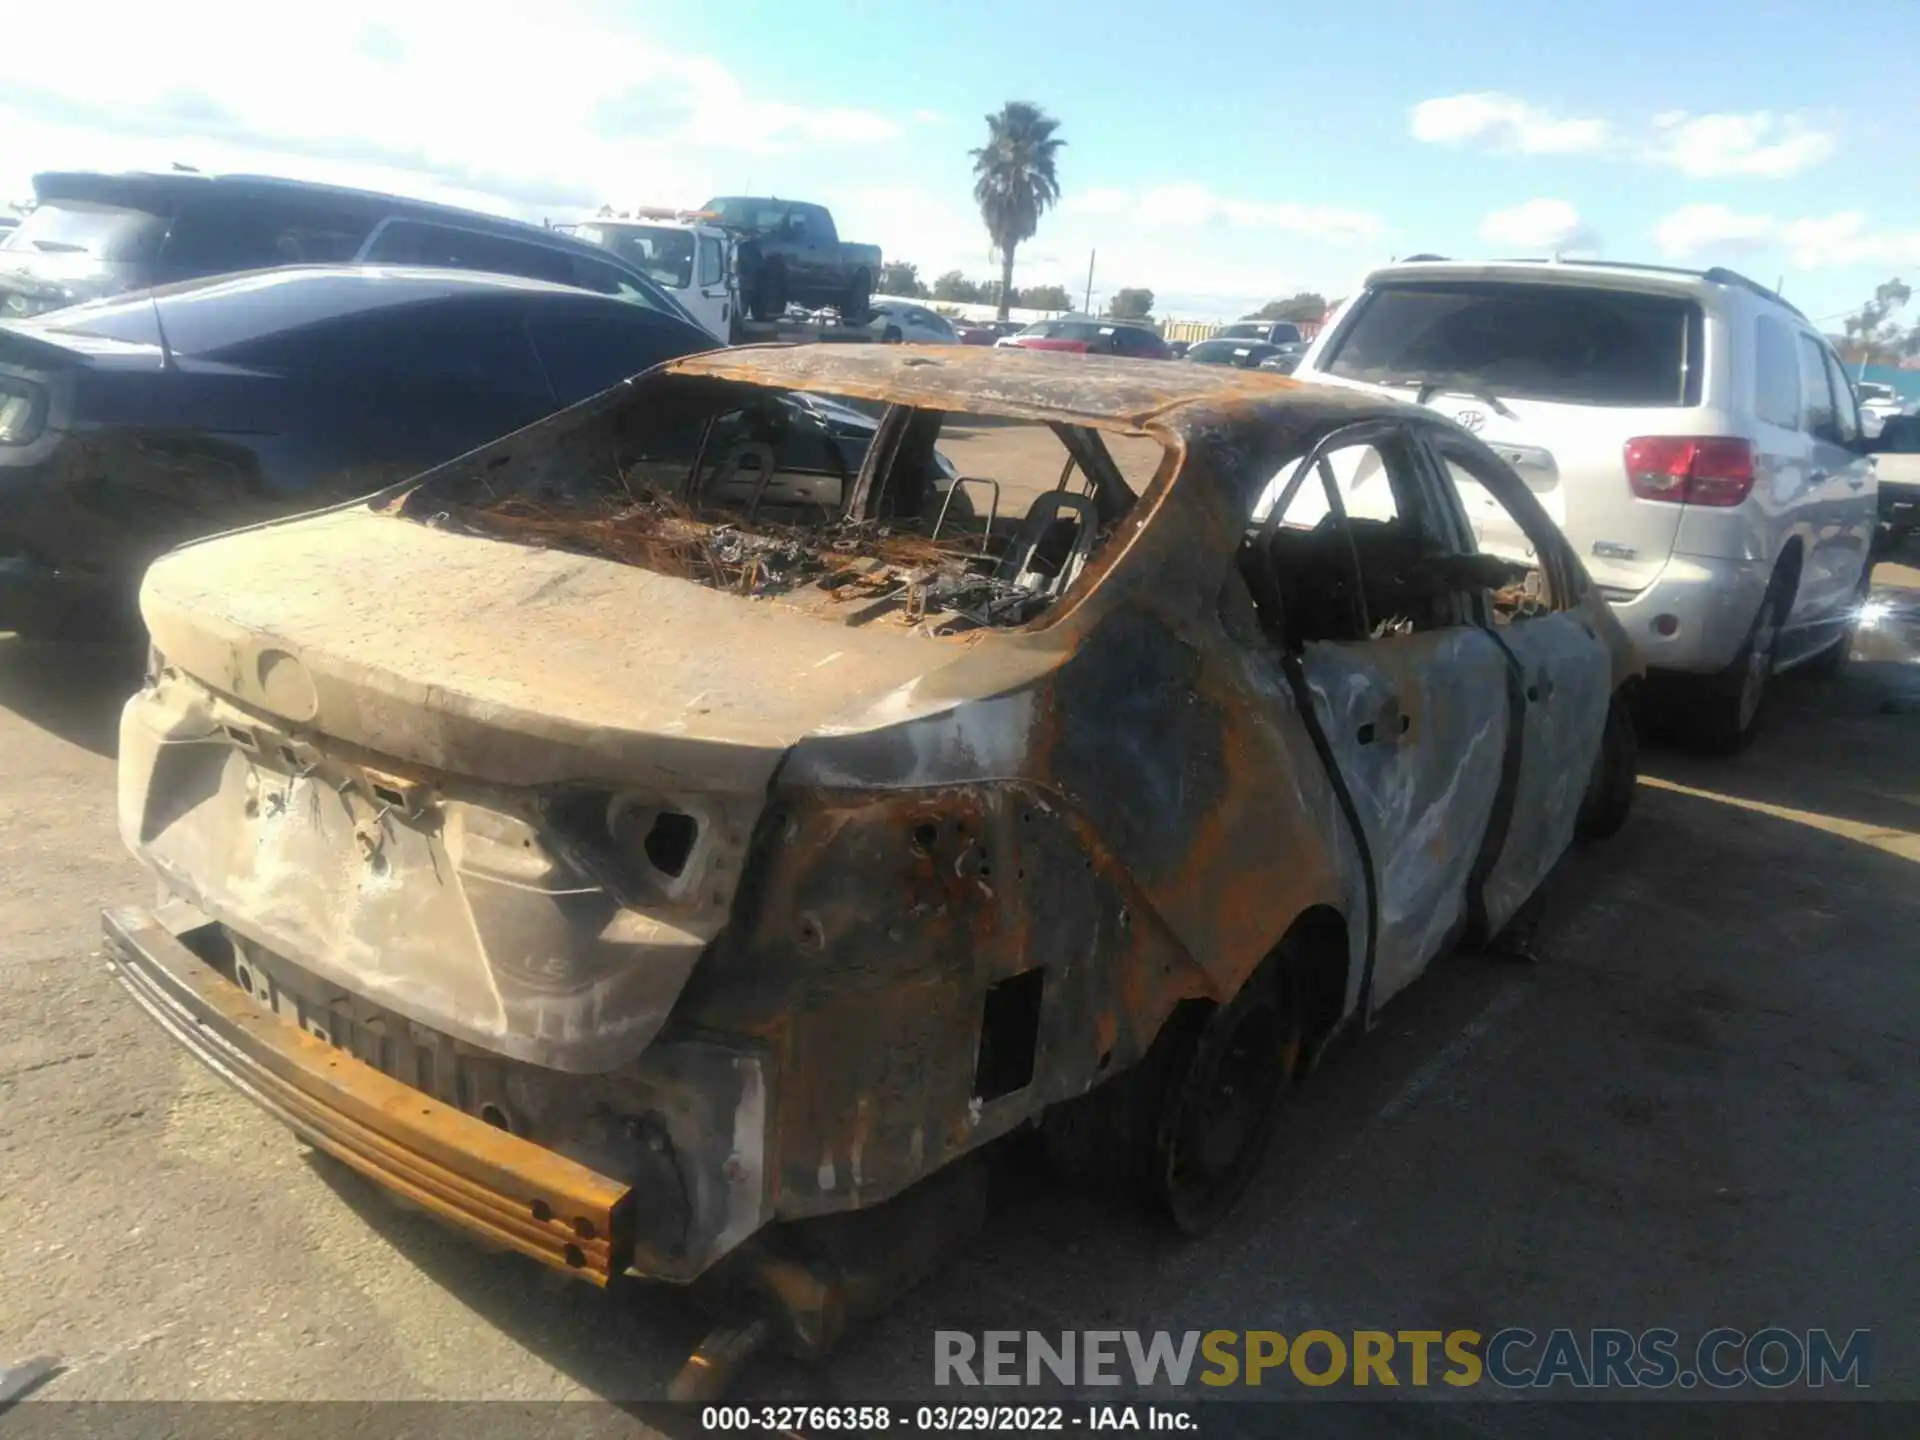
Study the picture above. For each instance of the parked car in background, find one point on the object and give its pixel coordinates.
(986, 332)
(94, 234)
(1878, 404)
(1242, 354)
(1283, 335)
(1694, 436)
(683, 252)
(903, 320)
(1270, 332)
(1090, 335)
(130, 424)
(791, 254)
(603, 844)
(1897, 466)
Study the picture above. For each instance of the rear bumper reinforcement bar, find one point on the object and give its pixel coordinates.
(505, 1190)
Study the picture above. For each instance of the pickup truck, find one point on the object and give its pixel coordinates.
(789, 251)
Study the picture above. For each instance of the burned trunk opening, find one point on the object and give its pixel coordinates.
(851, 508)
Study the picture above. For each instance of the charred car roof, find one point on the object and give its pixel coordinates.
(1096, 390)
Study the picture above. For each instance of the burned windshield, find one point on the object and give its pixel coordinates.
(951, 521)
(1581, 344)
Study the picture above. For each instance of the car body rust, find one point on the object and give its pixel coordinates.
(947, 878)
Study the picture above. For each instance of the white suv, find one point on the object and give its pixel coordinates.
(1692, 434)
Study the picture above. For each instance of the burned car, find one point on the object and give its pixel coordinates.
(667, 856)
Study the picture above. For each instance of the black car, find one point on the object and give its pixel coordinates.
(131, 424)
(93, 234)
(1091, 335)
(1244, 354)
(1269, 332)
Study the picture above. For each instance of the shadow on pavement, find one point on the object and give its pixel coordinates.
(73, 691)
(1847, 748)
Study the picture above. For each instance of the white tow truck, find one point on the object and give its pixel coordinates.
(694, 259)
(682, 251)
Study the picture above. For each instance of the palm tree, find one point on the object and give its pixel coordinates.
(1014, 180)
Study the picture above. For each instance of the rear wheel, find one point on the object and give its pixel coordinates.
(1830, 662)
(1226, 1071)
(1722, 712)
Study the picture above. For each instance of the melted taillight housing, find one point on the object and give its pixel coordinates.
(1690, 469)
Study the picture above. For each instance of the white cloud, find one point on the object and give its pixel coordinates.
(1826, 242)
(471, 104)
(579, 108)
(1190, 206)
(1542, 224)
(1098, 201)
(1813, 242)
(1757, 144)
(1494, 121)
(1707, 230)
(1760, 143)
(1204, 256)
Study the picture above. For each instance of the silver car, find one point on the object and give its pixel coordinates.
(903, 321)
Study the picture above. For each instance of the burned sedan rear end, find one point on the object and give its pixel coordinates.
(657, 835)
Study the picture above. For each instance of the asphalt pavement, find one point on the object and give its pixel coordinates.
(1698, 1108)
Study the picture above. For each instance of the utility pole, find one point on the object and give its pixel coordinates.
(1086, 306)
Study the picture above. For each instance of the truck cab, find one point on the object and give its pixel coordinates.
(683, 251)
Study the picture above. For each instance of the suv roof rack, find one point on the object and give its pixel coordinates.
(1715, 275)
(1720, 275)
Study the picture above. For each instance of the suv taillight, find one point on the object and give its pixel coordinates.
(1690, 469)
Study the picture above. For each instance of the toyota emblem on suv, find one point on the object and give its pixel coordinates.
(1472, 420)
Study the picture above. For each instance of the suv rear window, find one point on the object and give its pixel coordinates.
(1572, 343)
(85, 227)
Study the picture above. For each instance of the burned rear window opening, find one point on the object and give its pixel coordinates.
(850, 508)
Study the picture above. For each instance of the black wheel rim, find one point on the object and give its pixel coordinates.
(1225, 1114)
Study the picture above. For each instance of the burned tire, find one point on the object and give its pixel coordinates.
(769, 298)
(1616, 776)
(1223, 1072)
(1720, 714)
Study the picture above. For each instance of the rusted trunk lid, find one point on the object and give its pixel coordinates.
(515, 665)
(376, 750)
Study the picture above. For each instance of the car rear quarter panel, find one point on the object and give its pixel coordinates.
(1143, 823)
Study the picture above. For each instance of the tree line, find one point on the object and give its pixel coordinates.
(1873, 336)
(902, 278)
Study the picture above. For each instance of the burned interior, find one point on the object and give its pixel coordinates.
(848, 506)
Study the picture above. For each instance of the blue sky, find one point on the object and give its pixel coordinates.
(1220, 154)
